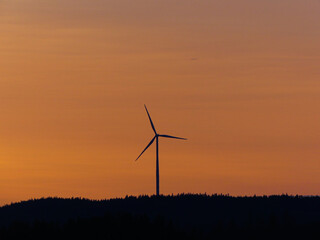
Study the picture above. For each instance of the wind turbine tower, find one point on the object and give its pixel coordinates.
(156, 137)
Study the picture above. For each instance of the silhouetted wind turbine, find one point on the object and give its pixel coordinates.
(156, 137)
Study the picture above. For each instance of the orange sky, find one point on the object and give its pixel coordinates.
(239, 79)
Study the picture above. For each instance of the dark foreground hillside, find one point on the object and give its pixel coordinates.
(164, 217)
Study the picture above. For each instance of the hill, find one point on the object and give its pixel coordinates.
(166, 217)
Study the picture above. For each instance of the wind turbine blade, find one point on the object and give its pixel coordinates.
(150, 120)
(168, 136)
(146, 147)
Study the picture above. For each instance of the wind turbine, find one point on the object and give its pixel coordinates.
(156, 137)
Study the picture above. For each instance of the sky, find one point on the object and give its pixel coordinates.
(239, 79)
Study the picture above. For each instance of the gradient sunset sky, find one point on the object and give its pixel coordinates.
(239, 78)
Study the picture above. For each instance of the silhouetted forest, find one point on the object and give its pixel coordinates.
(185, 216)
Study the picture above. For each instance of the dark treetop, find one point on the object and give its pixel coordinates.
(166, 217)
